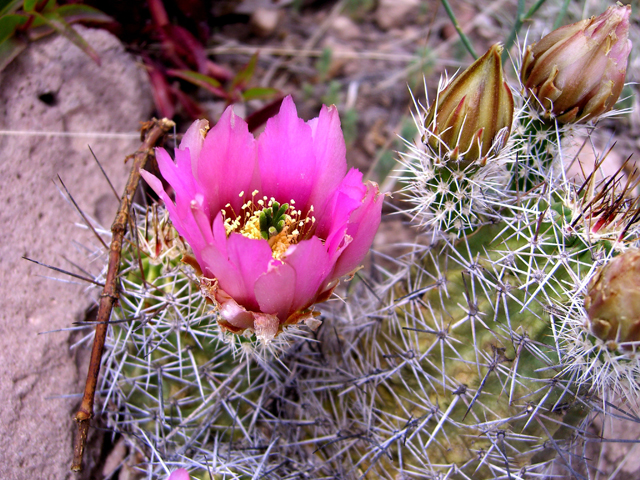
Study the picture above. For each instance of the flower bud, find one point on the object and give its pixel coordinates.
(613, 300)
(577, 71)
(471, 118)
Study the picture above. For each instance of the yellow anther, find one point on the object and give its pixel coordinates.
(247, 223)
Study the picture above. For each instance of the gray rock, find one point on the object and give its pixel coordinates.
(54, 86)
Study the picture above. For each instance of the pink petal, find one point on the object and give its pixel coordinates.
(215, 264)
(363, 226)
(286, 158)
(156, 184)
(275, 290)
(201, 220)
(181, 215)
(337, 240)
(177, 175)
(180, 474)
(236, 262)
(237, 267)
(312, 265)
(332, 223)
(220, 235)
(180, 177)
(193, 140)
(330, 152)
(227, 164)
(251, 259)
(233, 313)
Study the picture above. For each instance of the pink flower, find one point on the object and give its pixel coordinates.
(180, 474)
(274, 223)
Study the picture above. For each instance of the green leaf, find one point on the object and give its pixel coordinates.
(29, 5)
(10, 48)
(244, 75)
(9, 6)
(60, 25)
(9, 24)
(82, 13)
(49, 6)
(259, 92)
(39, 31)
(200, 80)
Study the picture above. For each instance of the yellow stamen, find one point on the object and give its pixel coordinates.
(247, 223)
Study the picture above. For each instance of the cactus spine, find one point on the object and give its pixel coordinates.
(468, 357)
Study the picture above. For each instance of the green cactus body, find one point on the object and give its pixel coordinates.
(468, 357)
(485, 350)
(496, 307)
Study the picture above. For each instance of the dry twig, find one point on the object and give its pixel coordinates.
(151, 132)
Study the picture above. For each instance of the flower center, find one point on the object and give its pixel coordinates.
(261, 218)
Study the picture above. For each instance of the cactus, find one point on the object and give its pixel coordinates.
(500, 303)
(470, 356)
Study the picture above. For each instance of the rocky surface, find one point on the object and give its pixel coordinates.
(55, 87)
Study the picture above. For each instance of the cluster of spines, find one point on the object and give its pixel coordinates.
(448, 198)
(472, 357)
(537, 260)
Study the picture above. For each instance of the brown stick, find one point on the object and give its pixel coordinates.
(152, 132)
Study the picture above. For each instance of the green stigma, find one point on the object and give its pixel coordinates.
(272, 220)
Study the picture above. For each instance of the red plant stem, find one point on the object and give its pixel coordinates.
(152, 133)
